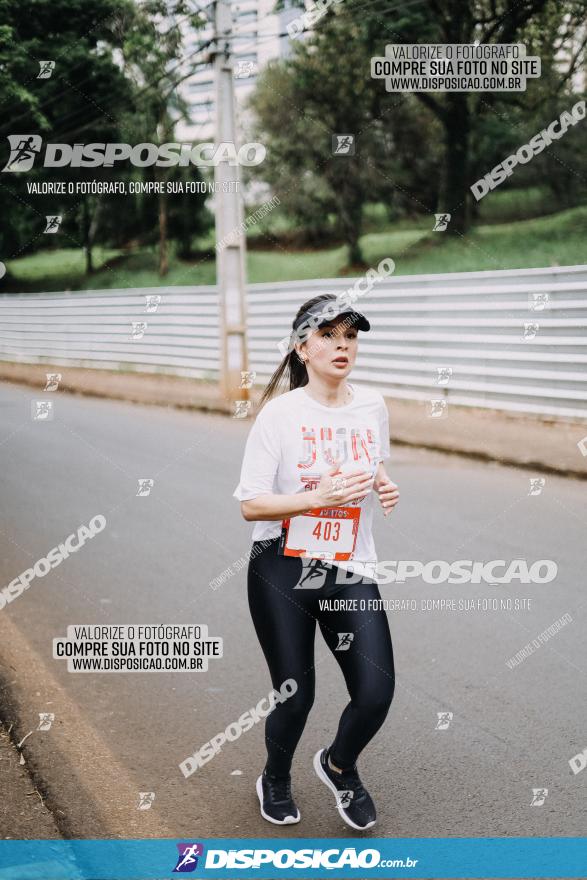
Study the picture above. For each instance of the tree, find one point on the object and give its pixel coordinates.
(302, 103)
(464, 21)
(152, 51)
(83, 96)
(117, 68)
(469, 128)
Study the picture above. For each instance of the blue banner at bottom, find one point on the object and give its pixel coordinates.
(416, 857)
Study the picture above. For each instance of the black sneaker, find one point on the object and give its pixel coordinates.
(277, 803)
(353, 802)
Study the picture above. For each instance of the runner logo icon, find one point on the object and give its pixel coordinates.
(345, 797)
(344, 641)
(313, 575)
(539, 795)
(188, 857)
(444, 719)
(24, 148)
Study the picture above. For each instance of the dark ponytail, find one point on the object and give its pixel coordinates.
(291, 370)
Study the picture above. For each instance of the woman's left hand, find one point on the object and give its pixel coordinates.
(388, 493)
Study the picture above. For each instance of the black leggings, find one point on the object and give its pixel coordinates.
(285, 621)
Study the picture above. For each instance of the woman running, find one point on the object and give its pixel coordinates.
(312, 459)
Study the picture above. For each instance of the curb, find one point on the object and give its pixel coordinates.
(541, 445)
(23, 812)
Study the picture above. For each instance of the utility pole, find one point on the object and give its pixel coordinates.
(230, 239)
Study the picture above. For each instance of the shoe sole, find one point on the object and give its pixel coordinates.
(322, 775)
(289, 820)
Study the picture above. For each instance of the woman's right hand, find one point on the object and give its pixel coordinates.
(336, 489)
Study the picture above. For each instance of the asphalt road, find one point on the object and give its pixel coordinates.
(115, 735)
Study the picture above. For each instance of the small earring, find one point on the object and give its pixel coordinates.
(301, 359)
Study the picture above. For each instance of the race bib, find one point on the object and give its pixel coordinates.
(323, 533)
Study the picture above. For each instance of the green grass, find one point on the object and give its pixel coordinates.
(280, 265)
(60, 269)
(504, 206)
(556, 239)
(140, 270)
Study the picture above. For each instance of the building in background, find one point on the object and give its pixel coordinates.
(258, 37)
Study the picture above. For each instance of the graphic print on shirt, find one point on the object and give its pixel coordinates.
(347, 446)
(362, 445)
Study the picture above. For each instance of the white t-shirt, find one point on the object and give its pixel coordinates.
(291, 442)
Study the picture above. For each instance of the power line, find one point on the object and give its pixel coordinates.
(89, 123)
(228, 38)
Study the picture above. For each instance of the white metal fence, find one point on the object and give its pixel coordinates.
(479, 325)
